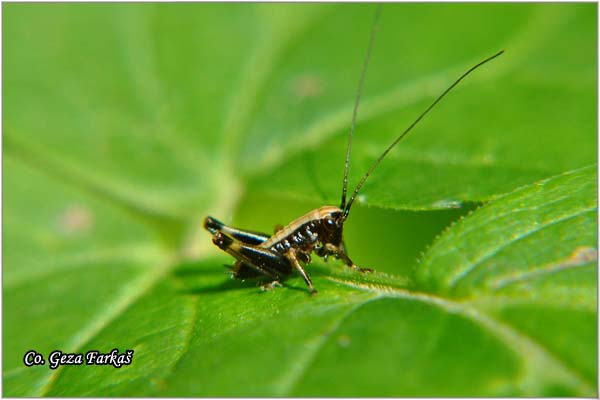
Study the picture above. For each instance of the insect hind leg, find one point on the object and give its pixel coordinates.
(264, 261)
(213, 225)
(265, 287)
(243, 271)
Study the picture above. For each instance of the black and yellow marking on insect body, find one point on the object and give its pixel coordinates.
(276, 257)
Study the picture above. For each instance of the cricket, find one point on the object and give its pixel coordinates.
(276, 257)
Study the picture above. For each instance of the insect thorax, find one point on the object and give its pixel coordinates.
(321, 226)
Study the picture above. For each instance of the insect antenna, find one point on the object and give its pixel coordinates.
(356, 102)
(406, 131)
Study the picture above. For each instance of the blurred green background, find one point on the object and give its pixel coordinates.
(126, 124)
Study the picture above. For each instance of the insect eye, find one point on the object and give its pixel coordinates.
(329, 222)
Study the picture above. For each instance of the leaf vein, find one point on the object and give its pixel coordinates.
(479, 260)
(538, 361)
(128, 295)
(298, 369)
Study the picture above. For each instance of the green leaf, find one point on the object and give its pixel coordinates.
(497, 243)
(529, 258)
(521, 118)
(126, 124)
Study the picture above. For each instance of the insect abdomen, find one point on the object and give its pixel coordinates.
(302, 238)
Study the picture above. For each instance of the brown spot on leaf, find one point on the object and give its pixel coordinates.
(344, 340)
(584, 254)
(306, 86)
(75, 220)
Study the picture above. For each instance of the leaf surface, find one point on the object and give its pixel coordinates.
(125, 125)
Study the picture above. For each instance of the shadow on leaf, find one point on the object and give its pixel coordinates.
(215, 277)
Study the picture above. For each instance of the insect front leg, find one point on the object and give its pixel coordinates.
(291, 255)
(340, 252)
(266, 262)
